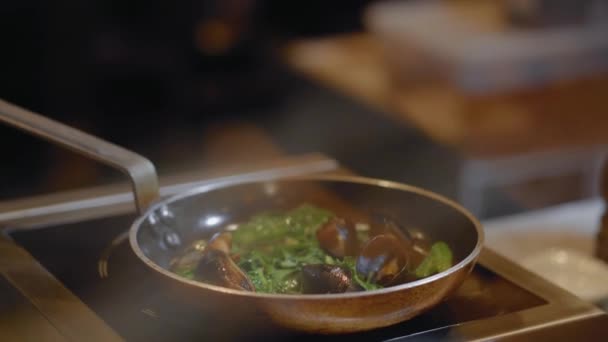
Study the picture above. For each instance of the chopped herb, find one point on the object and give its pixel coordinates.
(272, 248)
(438, 260)
(277, 246)
(185, 272)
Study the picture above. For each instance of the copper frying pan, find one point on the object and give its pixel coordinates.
(166, 225)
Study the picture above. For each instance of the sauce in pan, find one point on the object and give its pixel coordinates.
(310, 250)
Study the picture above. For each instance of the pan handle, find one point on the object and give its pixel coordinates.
(139, 169)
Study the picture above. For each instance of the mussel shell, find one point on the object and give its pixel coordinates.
(322, 278)
(220, 242)
(216, 267)
(385, 224)
(338, 238)
(383, 259)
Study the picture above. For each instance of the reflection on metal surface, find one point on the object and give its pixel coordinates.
(102, 264)
(212, 220)
(166, 215)
(576, 272)
(150, 312)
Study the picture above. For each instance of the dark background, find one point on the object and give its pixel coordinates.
(155, 76)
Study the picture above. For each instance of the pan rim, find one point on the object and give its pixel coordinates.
(470, 258)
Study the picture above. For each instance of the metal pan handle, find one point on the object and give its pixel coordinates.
(139, 169)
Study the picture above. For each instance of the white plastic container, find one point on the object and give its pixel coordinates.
(472, 45)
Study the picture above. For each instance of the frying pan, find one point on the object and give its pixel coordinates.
(166, 226)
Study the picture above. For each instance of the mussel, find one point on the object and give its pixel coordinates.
(220, 242)
(383, 259)
(414, 241)
(323, 278)
(385, 224)
(338, 238)
(217, 268)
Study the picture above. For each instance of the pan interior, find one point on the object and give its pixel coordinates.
(181, 220)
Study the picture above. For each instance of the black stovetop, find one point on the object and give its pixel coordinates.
(134, 303)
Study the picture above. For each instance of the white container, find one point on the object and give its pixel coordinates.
(471, 45)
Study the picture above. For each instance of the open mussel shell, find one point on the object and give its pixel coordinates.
(216, 267)
(386, 224)
(383, 259)
(338, 238)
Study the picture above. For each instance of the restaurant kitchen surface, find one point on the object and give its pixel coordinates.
(455, 97)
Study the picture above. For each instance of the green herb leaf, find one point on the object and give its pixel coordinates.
(277, 246)
(438, 260)
(185, 272)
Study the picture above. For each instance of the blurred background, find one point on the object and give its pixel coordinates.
(501, 105)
